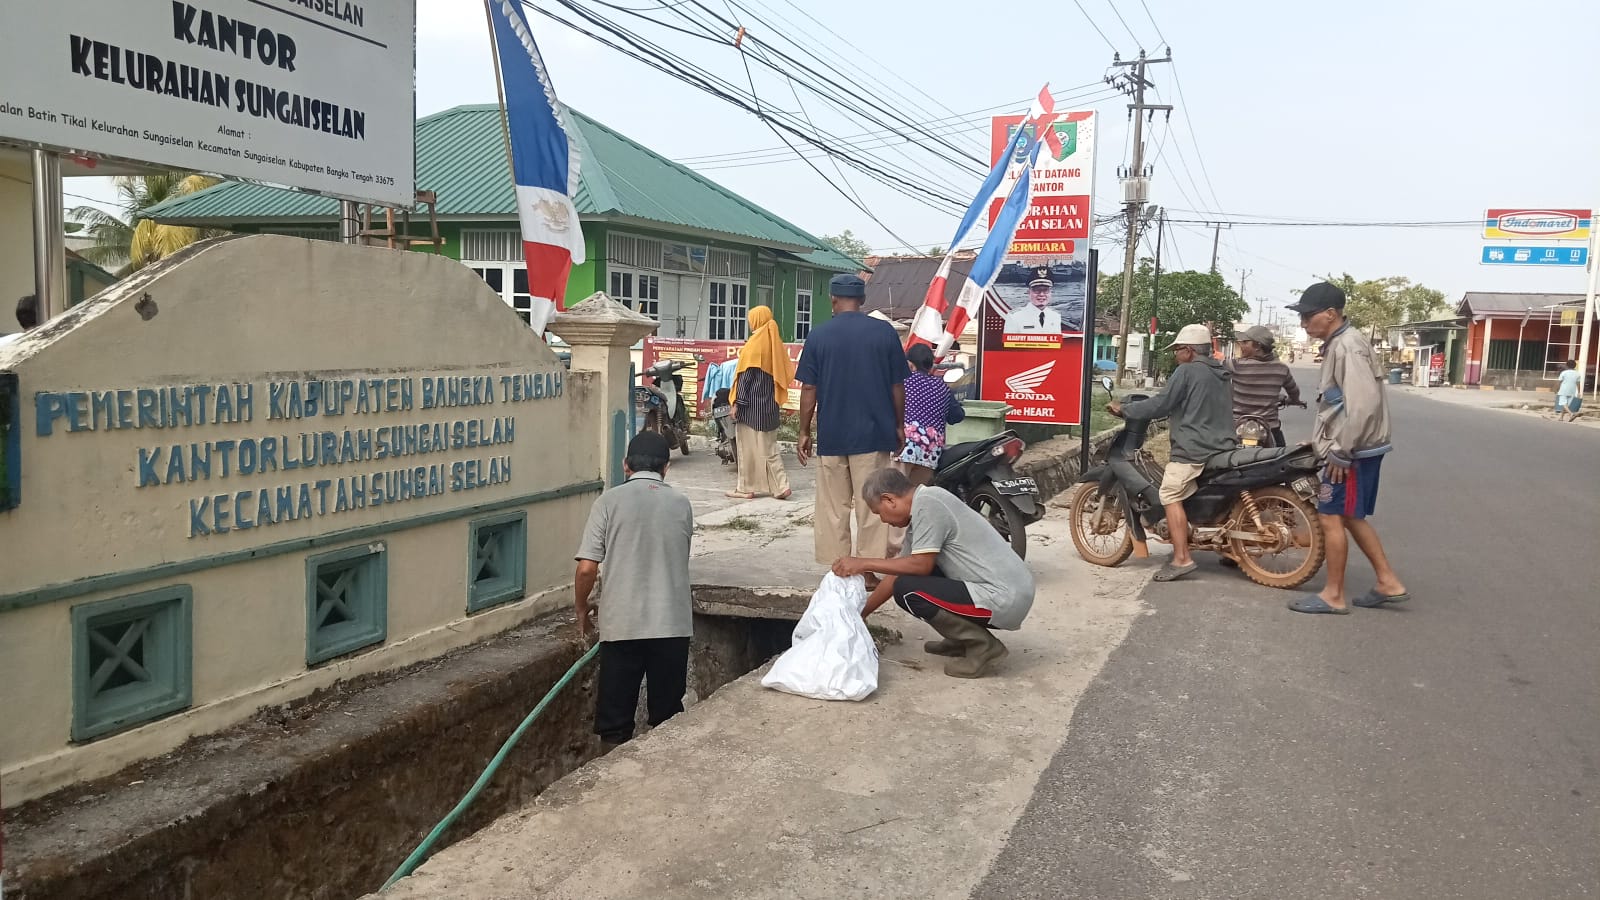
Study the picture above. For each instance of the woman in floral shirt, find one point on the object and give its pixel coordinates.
(930, 408)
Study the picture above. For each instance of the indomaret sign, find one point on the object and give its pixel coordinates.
(312, 94)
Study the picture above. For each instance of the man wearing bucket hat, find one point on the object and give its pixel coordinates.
(1351, 437)
(1199, 401)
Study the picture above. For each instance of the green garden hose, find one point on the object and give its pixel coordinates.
(421, 853)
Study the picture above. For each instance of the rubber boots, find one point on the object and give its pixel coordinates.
(980, 648)
(946, 647)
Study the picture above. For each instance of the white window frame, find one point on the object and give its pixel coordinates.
(639, 289)
(802, 304)
(521, 301)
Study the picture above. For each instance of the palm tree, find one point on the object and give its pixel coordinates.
(131, 241)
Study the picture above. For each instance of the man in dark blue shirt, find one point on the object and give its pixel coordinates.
(851, 373)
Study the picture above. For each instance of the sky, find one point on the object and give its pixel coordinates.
(1359, 111)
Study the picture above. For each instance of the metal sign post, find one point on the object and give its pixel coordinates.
(1090, 320)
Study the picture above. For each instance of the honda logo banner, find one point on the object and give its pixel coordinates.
(1042, 384)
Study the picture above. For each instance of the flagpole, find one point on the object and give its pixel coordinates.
(499, 90)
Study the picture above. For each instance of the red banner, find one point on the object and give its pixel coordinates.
(706, 354)
(1041, 384)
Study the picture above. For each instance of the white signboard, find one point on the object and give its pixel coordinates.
(311, 94)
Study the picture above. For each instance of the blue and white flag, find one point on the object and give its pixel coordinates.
(544, 163)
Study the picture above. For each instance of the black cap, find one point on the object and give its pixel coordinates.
(1318, 297)
(850, 287)
(1041, 277)
(650, 445)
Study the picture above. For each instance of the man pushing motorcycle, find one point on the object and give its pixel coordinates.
(1199, 401)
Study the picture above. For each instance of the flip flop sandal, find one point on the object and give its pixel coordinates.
(1170, 572)
(739, 495)
(1372, 599)
(1311, 603)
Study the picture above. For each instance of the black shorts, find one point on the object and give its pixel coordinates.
(925, 595)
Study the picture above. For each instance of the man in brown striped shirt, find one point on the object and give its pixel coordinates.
(1259, 377)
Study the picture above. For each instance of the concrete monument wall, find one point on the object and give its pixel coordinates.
(260, 467)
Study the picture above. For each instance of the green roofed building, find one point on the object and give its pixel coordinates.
(666, 240)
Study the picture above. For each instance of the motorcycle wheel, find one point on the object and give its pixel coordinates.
(1003, 515)
(682, 434)
(1101, 549)
(1300, 532)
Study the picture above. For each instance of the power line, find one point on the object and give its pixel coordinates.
(957, 124)
(664, 61)
(1439, 223)
(1159, 36)
(1095, 26)
(1118, 13)
(782, 157)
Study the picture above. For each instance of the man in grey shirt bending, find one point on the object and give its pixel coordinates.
(641, 531)
(956, 573)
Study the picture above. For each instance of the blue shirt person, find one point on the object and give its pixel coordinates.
(851, 373)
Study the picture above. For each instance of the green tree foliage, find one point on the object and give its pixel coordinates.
(130, 241)
(1186, 297)
(1378, 304)
(847, 243)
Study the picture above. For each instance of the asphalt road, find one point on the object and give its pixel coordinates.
(1446, 749)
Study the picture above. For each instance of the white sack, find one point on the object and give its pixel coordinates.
(832, 656)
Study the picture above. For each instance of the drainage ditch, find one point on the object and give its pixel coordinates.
(324, 798)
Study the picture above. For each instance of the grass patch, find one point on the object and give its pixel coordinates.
(739, 523)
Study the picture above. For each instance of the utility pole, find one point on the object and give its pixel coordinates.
(1216, 236)
(1135, 181)
(1155, 300)
(1244, 275)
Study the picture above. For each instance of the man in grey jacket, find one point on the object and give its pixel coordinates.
(1200, 403)
(1351, 437)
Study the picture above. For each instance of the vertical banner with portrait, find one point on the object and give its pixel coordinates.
(1034, 326)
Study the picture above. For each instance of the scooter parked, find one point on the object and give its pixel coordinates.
(981, 473)
(722, 418)
(661, 403)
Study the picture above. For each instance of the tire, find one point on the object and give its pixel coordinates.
(1003, 515)
(1283, 506)
(682, 434)
(1085, 503)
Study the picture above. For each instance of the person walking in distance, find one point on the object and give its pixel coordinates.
(1568, 391)
(852, 375)
(759, 389)
(1352, 438)
(1259, 379)
(1198, 401)
(640, 532)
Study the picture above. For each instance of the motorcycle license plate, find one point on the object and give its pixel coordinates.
(1305, 486)
(1014, 486)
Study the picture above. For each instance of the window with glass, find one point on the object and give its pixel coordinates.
(717, 309)
(738, 311)
(802, 305)
(622, 287)
(649, 299)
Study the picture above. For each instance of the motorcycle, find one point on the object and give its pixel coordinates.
(1255, 506)
(722, 418)
(981, 473)
(661, 403)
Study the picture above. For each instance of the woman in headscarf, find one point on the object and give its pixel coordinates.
(760, 386)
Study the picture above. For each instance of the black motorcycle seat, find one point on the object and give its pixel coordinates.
(959, 451)
(1245, 456)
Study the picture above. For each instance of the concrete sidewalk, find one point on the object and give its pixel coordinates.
(753, 793)
(1524, 403)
